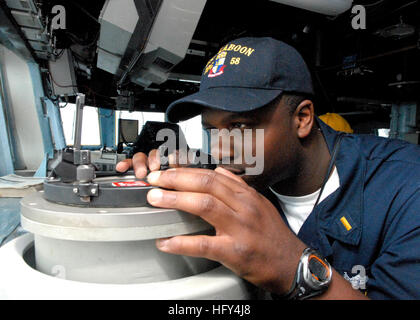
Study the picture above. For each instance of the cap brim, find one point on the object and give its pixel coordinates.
(222, 98)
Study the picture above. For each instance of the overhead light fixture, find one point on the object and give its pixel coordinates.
(397, 31)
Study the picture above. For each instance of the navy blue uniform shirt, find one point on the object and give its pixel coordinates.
(371, 224)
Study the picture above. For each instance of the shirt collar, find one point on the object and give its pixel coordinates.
(340, 214)
(346, 201)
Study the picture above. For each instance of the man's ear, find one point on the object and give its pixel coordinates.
(304, 118)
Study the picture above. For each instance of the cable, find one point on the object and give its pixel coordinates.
(58, 56)
(373, 4)
(120, 131)
(75, 86)
(404, 6)
(85, 11)
(60, 101)
(61, 107)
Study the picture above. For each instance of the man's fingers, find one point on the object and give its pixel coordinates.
(140, 165)
(206, 206)
(201, 181)
(174, 159)
(178, 159)
(194, 246)
(124, 165)
(230, 175)
(154, 160)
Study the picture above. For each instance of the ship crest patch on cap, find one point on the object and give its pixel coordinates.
(218, 65)
(215, 67)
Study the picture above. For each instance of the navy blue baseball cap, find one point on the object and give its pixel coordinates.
(246, 74)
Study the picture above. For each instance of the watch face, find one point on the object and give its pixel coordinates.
(313, 276)
(319, 270)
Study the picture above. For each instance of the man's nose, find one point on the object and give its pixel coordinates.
(221, 152)
(226, 152)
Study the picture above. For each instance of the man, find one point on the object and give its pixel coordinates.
(349, 201)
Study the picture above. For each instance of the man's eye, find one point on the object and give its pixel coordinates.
(238, 125)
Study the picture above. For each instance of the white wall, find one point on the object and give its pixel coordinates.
(90, 124)
(22, 104)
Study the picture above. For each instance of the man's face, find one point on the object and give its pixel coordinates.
(280, 152)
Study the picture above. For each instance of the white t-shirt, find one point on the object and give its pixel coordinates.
(297, 209)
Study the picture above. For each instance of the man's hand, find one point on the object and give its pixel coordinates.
(251, 238)
(141, 163)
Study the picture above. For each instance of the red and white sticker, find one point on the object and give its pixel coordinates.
(136, 183)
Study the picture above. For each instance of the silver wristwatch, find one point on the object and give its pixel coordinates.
(313, 277)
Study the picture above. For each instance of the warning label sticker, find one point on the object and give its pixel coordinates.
(130, 184)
